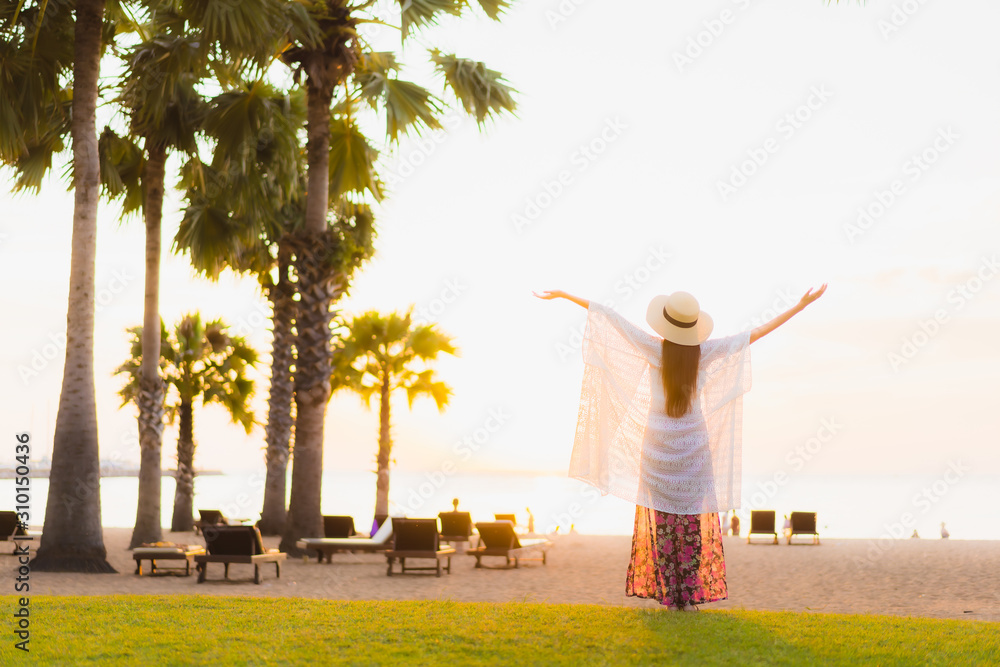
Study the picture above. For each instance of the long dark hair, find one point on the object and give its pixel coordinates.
(680, 376)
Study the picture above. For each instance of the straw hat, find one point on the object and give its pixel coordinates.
(678, 318)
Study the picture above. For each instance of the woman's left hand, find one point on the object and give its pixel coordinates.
(550, 294)
(811, 296)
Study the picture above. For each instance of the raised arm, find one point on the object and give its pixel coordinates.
(559, 294)
(613, 330)
(770, 326)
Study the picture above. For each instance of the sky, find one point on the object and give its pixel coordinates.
(741, 151)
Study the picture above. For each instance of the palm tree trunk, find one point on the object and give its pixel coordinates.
(384, 451)
(279, 417)
(312, 387)
(316, 292)
(72, 539)
(148, 526)
(183, 519)
(318, 155)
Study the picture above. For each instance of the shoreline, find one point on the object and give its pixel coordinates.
(924, 578)
(37, 528)
(871, 514)
(9, 473)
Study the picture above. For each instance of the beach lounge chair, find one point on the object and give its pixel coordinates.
(455, 526)
(497, 538)
(327, 546)
(166, 551)
(11, 527)
(506, 517)
(338, 526)
(236, 544)
(209, 518)
(762, 523)
(804, 523)
(417, 538)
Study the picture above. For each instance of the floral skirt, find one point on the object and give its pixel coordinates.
(677, 559)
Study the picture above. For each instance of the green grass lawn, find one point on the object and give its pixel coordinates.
(175, 630)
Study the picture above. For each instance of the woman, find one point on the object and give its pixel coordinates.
(660, 425)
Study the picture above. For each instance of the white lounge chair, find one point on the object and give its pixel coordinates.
(327, 546)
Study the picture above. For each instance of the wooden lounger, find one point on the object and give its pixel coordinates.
(327, 546)
(153, 553)
(209, 518)
(762, 523)
(804, 523)
(497, 538)
(237, 544)
(338, 526)
(455, 526)
(417, 538)
(11, 527)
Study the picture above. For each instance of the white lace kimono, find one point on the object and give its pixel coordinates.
(627, 446)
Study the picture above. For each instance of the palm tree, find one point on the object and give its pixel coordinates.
(182, 44)
(242, 210)
(280, 420)
(377, 357)
(41, 42)
(212, 233)
(242, 227)
(203, 362)
(325, 47)
(271, 263)
(163, 117)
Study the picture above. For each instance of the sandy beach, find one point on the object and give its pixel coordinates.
(929, 578)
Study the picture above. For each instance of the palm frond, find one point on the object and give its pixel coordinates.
(371, 72)
(482, 92)
(299, 25)
(259, 165)
(367, 392)
(427, 342)
(352, 161)
(35, 106)
(493, 8)
(243, 27)
(213, 239)
(441, 393)
(424, 13)
(35, 162)
(409, 106)
(159, 90)
(256, 123)
(121, 162)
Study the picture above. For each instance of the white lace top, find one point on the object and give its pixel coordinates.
(627, 446)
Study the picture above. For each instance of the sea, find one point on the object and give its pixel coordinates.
(847, 506)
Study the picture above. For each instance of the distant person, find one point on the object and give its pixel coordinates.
(944, 532)
(787, 528)
(531, 520)
(735, 523)
(659, 415)
(454, 504)
(725, 523)
(915, 535)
